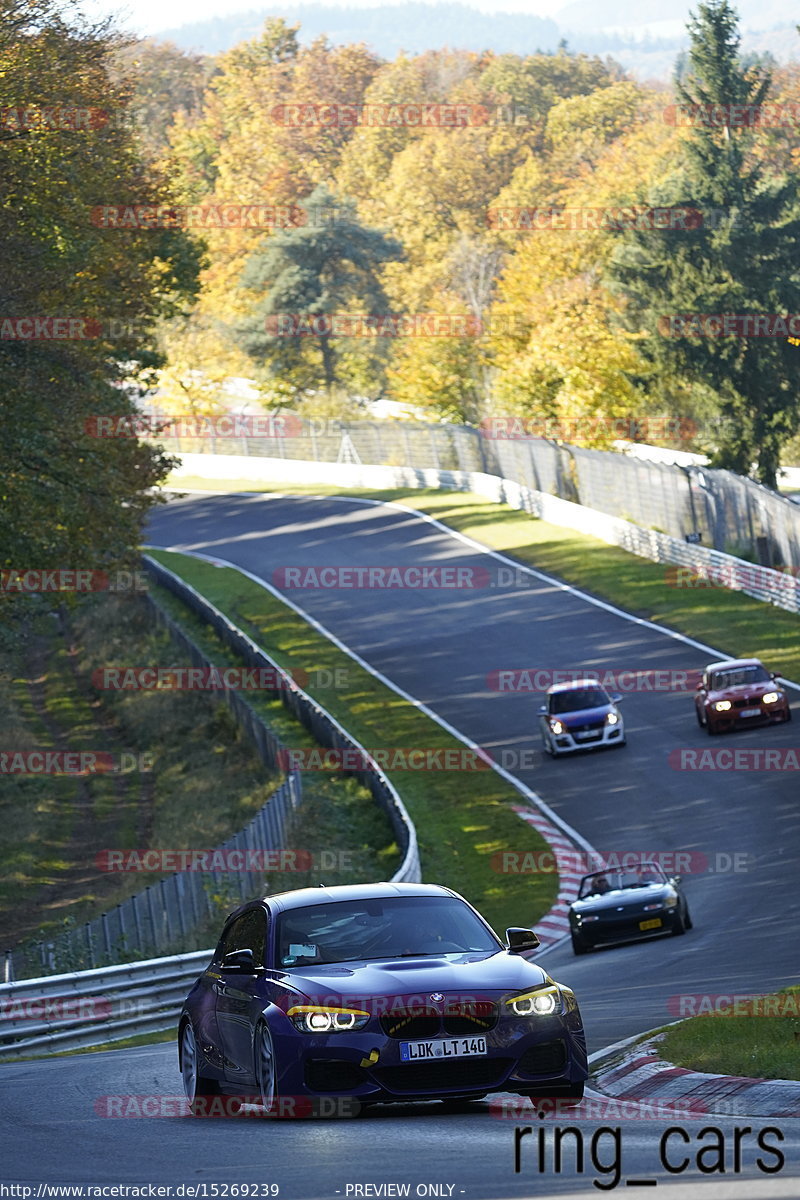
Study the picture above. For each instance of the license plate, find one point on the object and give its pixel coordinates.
(586, 735)
(654, 924)
(464, 1047)
(750, 712)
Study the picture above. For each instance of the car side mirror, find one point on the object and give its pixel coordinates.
(674, 879)
(243, 962)
(542, 708)
(698, 686)
(519, 940)
(615, 699)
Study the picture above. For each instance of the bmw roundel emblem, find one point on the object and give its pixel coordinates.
(437, 996)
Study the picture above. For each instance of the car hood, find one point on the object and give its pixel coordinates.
(746, 690)
(581, 715)
(468, 974)
(613, 899)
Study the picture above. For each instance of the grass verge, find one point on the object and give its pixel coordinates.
(462, 817)
(742, 1039)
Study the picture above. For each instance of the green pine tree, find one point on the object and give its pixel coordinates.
(327, 266)
(744, 262)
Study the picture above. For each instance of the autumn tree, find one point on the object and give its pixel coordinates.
(69, 498)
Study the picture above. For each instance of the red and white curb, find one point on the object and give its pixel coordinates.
(554, 925)
(640, 1074)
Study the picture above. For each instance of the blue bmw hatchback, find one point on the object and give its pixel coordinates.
(375, 993)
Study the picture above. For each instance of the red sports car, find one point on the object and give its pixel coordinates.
(738, 692)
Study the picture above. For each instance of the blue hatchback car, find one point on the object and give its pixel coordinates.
(580, 715)
(374, 993)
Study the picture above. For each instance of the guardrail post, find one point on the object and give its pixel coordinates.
(8, 967)
(152, 915)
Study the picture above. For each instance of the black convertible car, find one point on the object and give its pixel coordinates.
(375, 992)
(623, 906)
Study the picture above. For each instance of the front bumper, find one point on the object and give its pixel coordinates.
(587, 739)
(522, 1056)
(732, 719)
(609, 931)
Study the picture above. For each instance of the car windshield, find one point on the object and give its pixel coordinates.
(395, 927)
(741, 676)
(577, 698)
(609, 881)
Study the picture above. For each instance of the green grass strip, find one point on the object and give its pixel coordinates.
(756, 1038)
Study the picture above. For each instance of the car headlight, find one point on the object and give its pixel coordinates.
(722, 705)
(612, 718)
(772, 697)
(557, 727)
(309, 1018)
(540, 1003)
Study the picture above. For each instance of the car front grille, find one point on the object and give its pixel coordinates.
(455, 1019)
(468, 1075)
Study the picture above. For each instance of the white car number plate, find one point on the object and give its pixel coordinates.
(463, 1047)
(585, 734)
(750, 712)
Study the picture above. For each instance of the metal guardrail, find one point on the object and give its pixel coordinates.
(89, 1008)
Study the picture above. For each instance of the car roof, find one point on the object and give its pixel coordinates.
(730, 664)
(574, 685)
(303, 897)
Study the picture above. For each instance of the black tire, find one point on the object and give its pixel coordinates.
(680, 925)
(547, 745)
(578, 946)
(265, 1069)
(788, 716)
(687, 920)
(700, 720)
(196, 1087)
